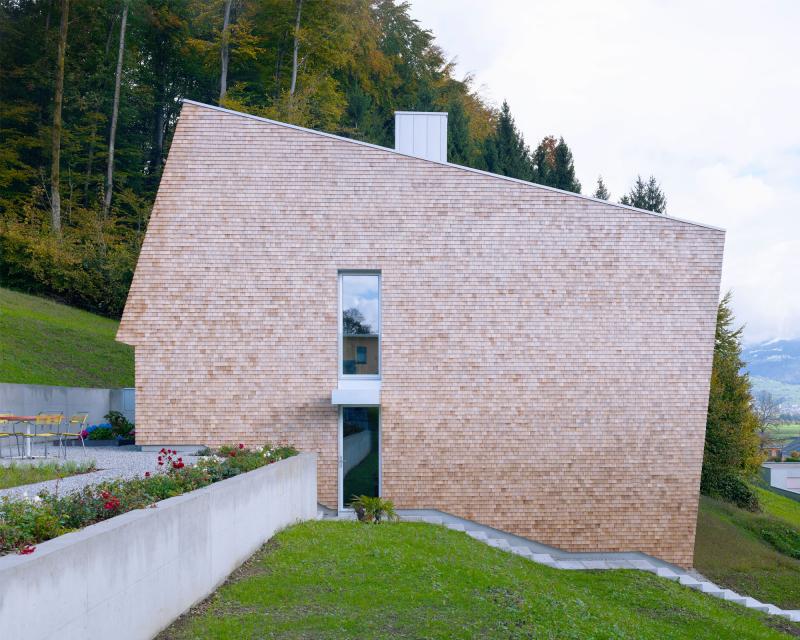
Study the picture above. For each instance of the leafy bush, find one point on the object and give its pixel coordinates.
(100, 433)
(373, 509)
(729, 486)
(26, 522)
(120, 425)
(783, 537)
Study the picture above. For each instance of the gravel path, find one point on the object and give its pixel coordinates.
(112, 462)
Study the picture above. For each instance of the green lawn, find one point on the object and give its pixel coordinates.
(732, 555)
(333, 579)
(43, 342)
(17, 474)
(779, 506)
(785, 431)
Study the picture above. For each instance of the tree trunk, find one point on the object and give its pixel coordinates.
(224, 53)
(114, 113)
(296, 47)
(55, 167)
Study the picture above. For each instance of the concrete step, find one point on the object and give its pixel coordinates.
(454, 526)
(689, 581)
(732, 596)
(669, 574)
(569, 564)
(499, 543)
(794, 614)
(543, 558)
(522, 551)
(752, 603)
(710, 588)
(478, 535)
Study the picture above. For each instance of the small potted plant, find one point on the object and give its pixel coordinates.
(373, 509)
(121, 428)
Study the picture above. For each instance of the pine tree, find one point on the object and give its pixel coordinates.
(732, 443)
(646, 195)
(601, 192)
(553, 165)
(510, 155)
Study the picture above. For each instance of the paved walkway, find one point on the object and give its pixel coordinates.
(112, 463)
(560, 559)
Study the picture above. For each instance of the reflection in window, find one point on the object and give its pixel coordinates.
(361, 321)
(360, 452)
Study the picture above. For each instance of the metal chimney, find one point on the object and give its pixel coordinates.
(422, 134)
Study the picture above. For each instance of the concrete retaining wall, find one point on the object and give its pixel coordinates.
(129, 577)
(30, 399)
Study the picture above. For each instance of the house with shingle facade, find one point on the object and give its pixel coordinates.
(534, 360)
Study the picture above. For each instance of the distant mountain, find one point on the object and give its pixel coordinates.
(777, 360)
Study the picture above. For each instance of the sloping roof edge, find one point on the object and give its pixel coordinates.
(448, 164)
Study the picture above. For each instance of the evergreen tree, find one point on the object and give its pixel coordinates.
(732, 443)
(601, 192)
(508, 154)
(553, 165)
(646, 195)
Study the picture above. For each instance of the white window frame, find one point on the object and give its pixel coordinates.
(360, 376)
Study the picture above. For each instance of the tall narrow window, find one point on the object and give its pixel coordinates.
(360, 305)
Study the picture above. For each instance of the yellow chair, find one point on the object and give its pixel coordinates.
(74, 429)
(47, 426)
(5, 434)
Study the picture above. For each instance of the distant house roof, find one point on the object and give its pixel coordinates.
(792, 445)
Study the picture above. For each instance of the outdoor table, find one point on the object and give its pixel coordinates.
(28, 420)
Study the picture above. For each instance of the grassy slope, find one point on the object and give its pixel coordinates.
(349, 580)
(731, 555)
(43, 342)
(780, 506)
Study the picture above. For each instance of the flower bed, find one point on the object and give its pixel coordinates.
(27, 522)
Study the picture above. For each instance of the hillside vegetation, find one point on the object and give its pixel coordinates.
(43, 342)
(349, 580)
(730, 549)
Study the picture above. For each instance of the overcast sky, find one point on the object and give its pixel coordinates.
(703, 94)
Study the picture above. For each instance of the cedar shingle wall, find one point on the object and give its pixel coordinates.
(545, 358)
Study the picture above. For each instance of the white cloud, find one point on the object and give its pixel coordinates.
(703, 94)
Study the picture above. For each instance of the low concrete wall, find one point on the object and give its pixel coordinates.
(30, 399)
(129, 577)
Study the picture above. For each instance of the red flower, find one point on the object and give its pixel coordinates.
(146, 474)
(161, 463)
(232, 454)
(105, 495)
(180, 459)
(241, 446)
(163, 451)
(26, 550)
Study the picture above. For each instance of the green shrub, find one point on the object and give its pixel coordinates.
(783, 537)
(373, 509)
(120, 425)
(101, 433)
(729, 486)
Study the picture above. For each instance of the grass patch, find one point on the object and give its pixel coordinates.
(332, 579)
(779, 506)
(18, 474)
(729, 551)
(43, 342)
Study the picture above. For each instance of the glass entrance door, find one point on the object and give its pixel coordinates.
(359, 470)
